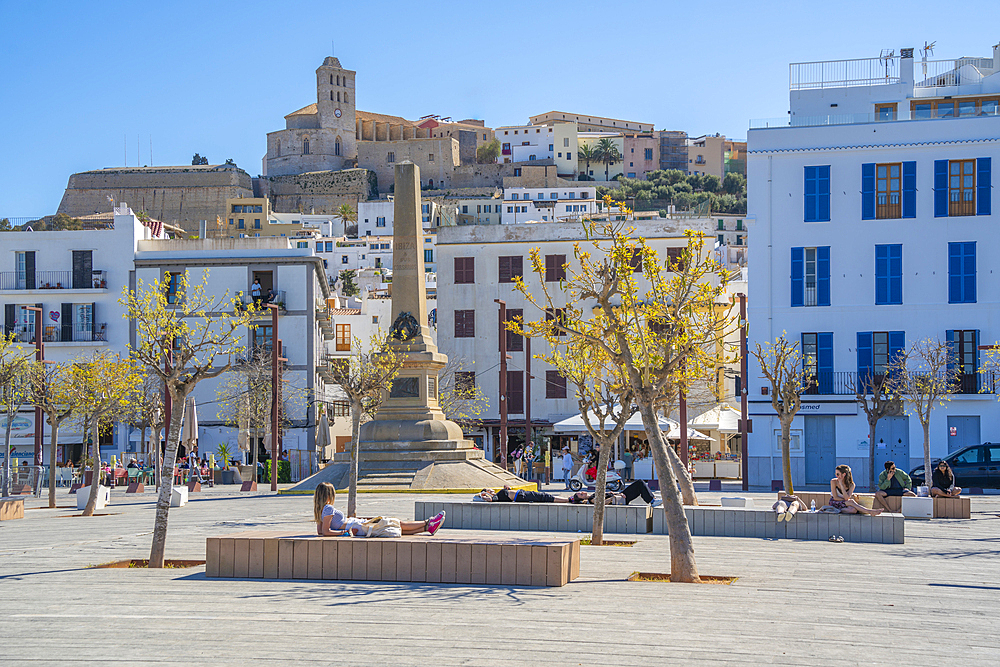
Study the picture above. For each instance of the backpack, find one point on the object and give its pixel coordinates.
(382, 527)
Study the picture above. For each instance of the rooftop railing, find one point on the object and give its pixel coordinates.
(954, 72)
(843, 73)
(858, 118)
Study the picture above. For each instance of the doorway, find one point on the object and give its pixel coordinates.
(892, 442)
(962, 431)
(820, 447)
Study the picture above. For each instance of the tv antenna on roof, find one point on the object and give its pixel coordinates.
(886, 57)
(928, 48)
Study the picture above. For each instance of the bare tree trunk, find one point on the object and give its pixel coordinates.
(6, 457)
(352, 488)
(52, 461)
(682, 563)
(158, 547)
(95, 480)
(872, 480)
(927, 450)
(786, 458)
(597, 535)
(684, 482)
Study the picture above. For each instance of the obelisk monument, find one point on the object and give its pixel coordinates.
(411, 444)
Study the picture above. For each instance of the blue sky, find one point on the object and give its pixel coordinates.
(80, 81)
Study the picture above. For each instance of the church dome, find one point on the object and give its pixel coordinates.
(330, 61)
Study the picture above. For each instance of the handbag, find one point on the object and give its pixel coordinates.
(382, 527)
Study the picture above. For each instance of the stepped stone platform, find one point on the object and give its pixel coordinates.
(468, 475)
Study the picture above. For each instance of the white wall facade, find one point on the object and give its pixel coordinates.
(547, 204)
(776, 182)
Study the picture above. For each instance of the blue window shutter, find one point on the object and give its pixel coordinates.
(810, 210)
(983, 187)
(824, 362)
(897, 343)
(955, 273)
(949, 337)
(969, 272)
(823, 276)
(868, 191)
(864, 356)
(881, 274)
(823, 193)
(798, 277)
(896, 273)
(909, 189)
(940, 188)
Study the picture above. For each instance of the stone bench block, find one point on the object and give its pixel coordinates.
(11, 508)
(274, 555)
(178, 496)
(103, 497)
(549, 517)
(886, 528)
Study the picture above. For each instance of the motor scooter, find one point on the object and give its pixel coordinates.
(581, 479)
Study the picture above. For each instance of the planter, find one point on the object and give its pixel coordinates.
(225, 477)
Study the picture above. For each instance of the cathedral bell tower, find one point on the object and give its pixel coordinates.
(335, 105)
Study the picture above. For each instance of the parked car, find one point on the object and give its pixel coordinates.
(974, 466)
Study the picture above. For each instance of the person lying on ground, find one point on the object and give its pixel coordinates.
(943, 481)
(842, 493)
(509, 495)
(786, 506)
(636, 489)
(330, 521)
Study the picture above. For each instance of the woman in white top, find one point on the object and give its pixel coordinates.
(332, 522)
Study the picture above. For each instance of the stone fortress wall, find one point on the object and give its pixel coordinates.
(180, 196)
(319, 192)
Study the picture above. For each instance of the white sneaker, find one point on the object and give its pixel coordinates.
(656, 502)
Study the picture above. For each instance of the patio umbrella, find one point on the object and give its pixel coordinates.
(575, 424)
(189, 429)
(322, 434)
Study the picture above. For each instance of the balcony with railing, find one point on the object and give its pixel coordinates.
(78, 332)
(277, 297)
(843, 73)
(845, 383)
(38, 280)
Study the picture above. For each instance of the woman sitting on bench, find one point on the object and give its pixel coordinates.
(842, 493)
(331, 522)
(943, 480)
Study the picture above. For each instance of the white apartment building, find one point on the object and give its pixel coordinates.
(76, 278)
(872, 208)
(297, 277)
(547, 204)
(366, 253)
(375, 218)
(477, 264)
(556, 141)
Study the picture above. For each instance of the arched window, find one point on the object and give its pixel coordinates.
(336, 147)
(331, 79)
(305, 147)
(430, 182)
(338, 80)
(345, 98)
(338, 96)
(331, 95)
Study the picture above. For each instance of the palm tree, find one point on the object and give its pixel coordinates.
(588, 154)
(347, 215)
(608, 153)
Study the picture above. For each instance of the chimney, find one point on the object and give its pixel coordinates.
(906, 66)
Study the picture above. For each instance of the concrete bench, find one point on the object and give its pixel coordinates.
(552, 517)
(747, 522)
(11, 508)
(277, 555)
(178, 496)
(944, 508)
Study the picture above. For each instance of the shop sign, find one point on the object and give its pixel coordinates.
(808, 408)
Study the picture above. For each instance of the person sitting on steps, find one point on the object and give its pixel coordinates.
(892, 482)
